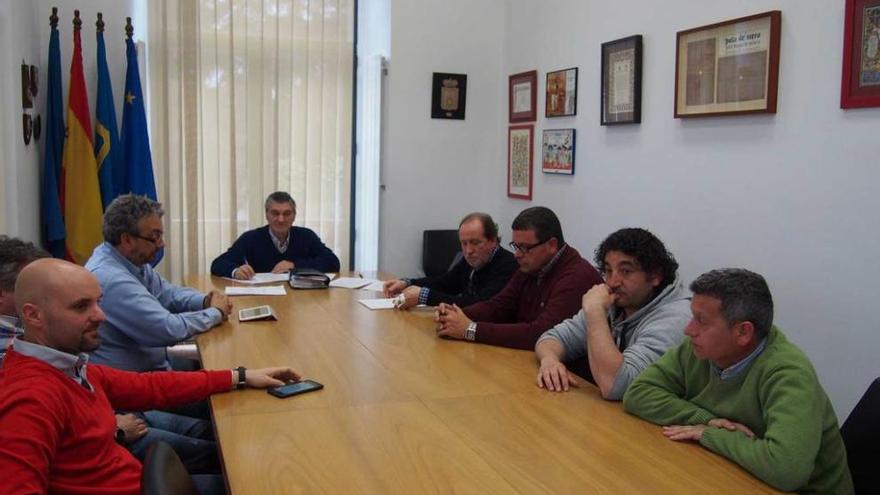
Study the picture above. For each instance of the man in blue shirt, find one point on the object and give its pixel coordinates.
(145, 313)
(277, 247)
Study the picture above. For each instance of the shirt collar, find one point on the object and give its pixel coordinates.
(484, 265)
(137, 271)
(8, 321)
(72, 366)
(550, 264)
(734, 370)
(281, 246)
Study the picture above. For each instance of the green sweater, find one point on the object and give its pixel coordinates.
(797, 446)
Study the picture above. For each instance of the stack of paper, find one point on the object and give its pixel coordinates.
(272, 290)
(355, 283)
(378, 303)
(262, 278)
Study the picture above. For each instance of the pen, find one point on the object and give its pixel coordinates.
(360, 275)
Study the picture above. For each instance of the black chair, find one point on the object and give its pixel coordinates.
(861, 435)
(164, 473)
(439, 248)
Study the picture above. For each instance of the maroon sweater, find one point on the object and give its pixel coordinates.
(58, 437)
(530, 305)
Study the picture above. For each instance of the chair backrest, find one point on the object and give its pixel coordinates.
(164, 472)
(861, 435)
(439, 248)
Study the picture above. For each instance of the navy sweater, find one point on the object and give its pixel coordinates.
(456, 286)
(256, 248)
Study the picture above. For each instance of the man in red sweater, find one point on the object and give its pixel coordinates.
(57, 424)
(548, 288)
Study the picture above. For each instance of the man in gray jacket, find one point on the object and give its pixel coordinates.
(625, 324)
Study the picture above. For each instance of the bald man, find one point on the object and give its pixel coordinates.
(56, 411)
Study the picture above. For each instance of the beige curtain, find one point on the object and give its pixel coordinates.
(246, 98)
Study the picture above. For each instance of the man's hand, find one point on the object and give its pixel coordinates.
(598, 299)
(410, 297)
(554, 376)
(132, 426)
(283, 266)
(270, 377)
(684, 433)
(215, 299)
(451, 321)
(731, 426)
(392, 288)
(244, 272)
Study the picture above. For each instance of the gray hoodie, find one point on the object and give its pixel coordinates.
(648, 334)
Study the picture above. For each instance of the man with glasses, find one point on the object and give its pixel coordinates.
(483, 270)
(623, 325)
(145, 313)
(548, 287)
(277, 248)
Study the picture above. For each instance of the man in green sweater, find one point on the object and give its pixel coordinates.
(741, 389)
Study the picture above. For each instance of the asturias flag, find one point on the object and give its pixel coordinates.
(111, 173)
(52, 219)
(82, 197)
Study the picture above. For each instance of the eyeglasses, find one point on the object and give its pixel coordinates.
(525, 248)
(154, 240)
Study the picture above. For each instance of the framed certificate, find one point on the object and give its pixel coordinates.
(522, 96)
(561, 93)
(448, 96)
(860, 84)
(622, 81)
(557, 151)
(519, 161)
(728, 68)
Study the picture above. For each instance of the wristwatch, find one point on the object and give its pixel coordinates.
(241, 381)
(470, 333)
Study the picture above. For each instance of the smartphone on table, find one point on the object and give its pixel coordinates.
(295, 388)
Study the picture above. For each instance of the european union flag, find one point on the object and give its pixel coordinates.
(135, 139)
(111, 173)
(52, 222)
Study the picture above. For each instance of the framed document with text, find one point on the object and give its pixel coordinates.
(561, 90)
(523, 97)
(557, 151)
(519, 161)
(728, 68)
(622, 81)
(860, 84)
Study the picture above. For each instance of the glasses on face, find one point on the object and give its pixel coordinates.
(154, 240)
(525, 248)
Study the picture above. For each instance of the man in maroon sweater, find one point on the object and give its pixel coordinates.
(56, 412)
(548, 288)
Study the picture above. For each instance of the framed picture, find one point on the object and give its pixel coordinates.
(860, 84)
(523, 96)
(557, 151)
(621, 81)
(448, 95)
(728, 68)
(561, 90)
(519, 161)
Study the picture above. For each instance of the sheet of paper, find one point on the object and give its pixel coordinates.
(378, 303)
(272, 290)
(375, 285)
(351, 282)
(262, 278)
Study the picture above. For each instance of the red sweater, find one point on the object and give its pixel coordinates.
(58, 437)
(529, 306)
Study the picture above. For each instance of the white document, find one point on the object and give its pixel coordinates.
(262, 278)
(378, 303)
(351, 282)
(376, 285)
(272, 290)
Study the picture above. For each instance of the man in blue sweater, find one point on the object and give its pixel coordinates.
(278, 247)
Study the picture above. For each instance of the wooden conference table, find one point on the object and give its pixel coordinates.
(405, 412)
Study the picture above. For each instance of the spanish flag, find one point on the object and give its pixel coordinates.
(81, 194)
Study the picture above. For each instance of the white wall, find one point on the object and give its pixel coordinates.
(435, 171)
(791, 195)
(24, 33)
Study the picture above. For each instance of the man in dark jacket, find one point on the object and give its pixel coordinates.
(479, 273)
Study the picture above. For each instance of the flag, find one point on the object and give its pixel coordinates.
(135, 139)
(111, 173)
(82, 196)
(52, 219)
